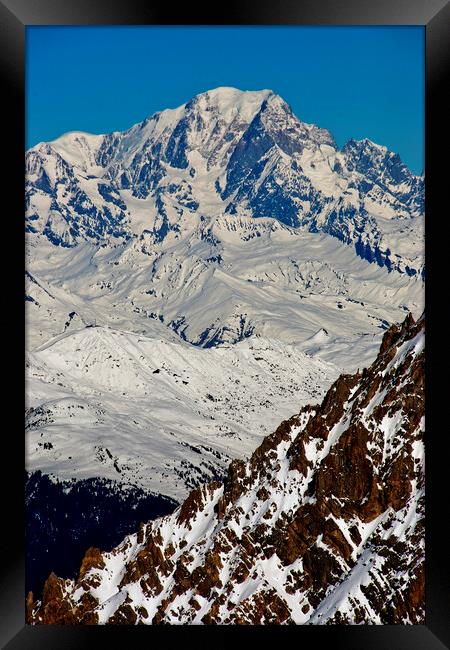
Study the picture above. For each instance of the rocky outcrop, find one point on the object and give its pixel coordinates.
(323, 524)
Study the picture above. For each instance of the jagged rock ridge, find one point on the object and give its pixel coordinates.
(323, 524)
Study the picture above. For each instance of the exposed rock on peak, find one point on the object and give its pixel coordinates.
(323, 524)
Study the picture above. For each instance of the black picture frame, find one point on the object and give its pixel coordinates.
(434, 15)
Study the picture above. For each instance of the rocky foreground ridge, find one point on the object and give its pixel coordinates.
(324, 524)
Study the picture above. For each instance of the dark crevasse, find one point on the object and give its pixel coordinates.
(63, 519)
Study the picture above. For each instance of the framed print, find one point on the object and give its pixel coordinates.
(231, 227)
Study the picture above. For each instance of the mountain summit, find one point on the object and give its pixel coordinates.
(226, 151)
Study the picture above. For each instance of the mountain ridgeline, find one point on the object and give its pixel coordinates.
(227, 152)
(324, 523)
(190, 283)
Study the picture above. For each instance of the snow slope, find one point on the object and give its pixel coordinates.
(222, 280)
(159, 415)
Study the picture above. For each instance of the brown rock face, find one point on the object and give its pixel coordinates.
(92, 558)
(334, 496)
(195, 502)
(55, 608)
(207, 576)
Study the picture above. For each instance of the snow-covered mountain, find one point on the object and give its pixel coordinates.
(192, 281)
(159, 415)
(223, 218)
(195, 279)
(224, 280)
(226, 152)
(322, 524)
(271, 324)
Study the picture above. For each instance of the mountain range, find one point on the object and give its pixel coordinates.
(190, 283)
(227, 152)
(152, 257)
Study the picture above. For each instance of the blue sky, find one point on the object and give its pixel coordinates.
(355, 81)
